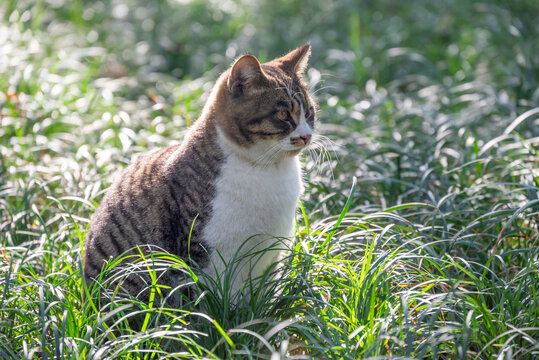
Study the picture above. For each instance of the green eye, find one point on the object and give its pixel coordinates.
(282, 115)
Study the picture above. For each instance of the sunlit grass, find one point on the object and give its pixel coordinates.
(417, 235)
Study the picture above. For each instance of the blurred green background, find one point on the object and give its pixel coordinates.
(409, 78)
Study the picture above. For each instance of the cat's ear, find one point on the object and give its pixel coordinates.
(245, 73)
(297, 60)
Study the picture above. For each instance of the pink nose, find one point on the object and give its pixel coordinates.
(306, 138)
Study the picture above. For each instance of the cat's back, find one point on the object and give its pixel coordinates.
(155, 201)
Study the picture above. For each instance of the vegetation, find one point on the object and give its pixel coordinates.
(418, 233)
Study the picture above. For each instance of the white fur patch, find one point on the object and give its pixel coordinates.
(250, 200)
(303, 129)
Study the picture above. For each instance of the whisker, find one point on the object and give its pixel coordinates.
(322, 88)
(271, 156)
(328, 144)
(320, 154)
(268, 153)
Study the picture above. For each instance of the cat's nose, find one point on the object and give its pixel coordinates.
(300, 140)
(306, 139)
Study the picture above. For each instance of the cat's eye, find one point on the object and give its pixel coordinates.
(282, 114)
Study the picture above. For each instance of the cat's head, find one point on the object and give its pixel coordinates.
(266, 106)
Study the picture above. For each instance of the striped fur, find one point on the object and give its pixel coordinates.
(236, 172)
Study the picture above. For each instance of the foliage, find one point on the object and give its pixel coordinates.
(418, 232)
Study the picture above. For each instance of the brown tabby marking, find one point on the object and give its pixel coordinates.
(157, 199)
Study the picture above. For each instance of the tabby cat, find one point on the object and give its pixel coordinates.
(236, 176)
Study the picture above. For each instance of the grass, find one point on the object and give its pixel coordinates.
(418, 232)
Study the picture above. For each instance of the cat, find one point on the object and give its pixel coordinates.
(235, 177)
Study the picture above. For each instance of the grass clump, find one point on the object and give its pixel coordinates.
(417, 236)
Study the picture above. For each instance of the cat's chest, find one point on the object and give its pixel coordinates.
(253, 200)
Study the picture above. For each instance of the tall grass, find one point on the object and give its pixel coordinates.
(416, 237)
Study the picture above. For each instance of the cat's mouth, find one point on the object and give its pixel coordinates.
(297, 144)
(296, 149)
(292, 153)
